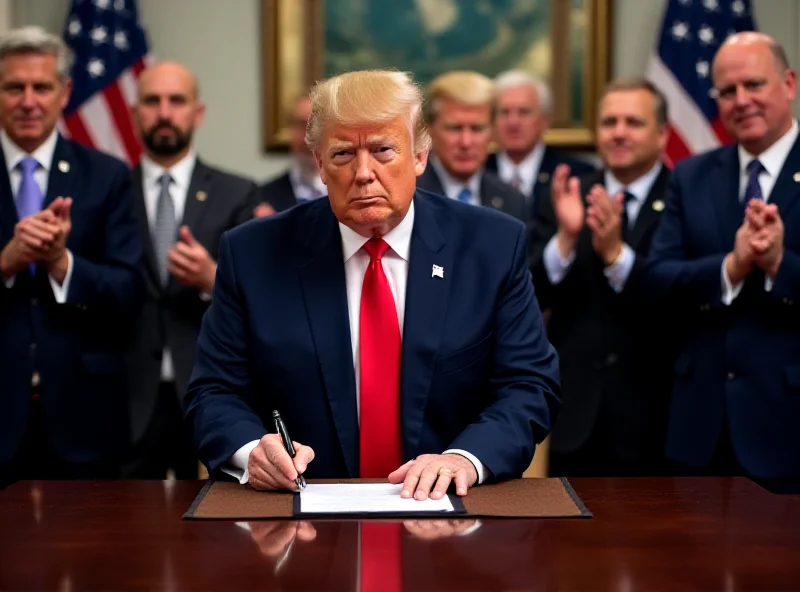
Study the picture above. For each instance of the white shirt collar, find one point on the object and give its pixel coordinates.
(640, 188)
(398, 238)
(181, 171)
(528, 168)
(43, 154)
(452, 186)
(773, 157)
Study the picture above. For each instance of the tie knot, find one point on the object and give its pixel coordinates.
(28, 164)
(755, 167)
(628, 196)
(164, 180)
(376, 248)
(465, 195)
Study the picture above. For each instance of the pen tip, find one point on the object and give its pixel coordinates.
(275, 414)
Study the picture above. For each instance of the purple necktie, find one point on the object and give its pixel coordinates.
(29, 196)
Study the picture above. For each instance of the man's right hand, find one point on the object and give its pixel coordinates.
(739, 262)
(270, 467)
(568, 208)
(32, 240)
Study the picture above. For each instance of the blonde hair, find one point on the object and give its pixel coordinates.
(367, 97)
(465, 87)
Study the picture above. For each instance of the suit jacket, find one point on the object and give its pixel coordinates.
(540, 190)
(738, 364)
(76, 347)
(278, 193)
(613, 348)
(172, 314)
(493, 192)
(478, 373)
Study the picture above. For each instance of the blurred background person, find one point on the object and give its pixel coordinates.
(459, 113)
(70, 256)
(183, 206)
(592, 240)
(301, 182)
(524, 108)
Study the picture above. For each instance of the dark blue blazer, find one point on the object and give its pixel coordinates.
(541, 185)
(477, 373)
(77, 347)
(738, 364)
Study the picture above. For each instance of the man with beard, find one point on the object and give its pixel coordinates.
(183, 206)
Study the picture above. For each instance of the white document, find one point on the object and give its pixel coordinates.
(364, 498)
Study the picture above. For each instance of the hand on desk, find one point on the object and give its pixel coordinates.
(270, 467)
(431, 474)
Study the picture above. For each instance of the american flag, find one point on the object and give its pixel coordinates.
(691, 33)
(110, 52)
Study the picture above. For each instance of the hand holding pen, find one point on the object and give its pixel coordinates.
(271, 465)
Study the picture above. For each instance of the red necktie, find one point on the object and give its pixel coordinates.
(379, 362)
(381, 566)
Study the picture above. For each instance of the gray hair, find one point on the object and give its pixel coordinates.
(37, 40)
(516, 78)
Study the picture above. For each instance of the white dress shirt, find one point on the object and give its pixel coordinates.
(44, 156)
(772, 160)
(527, 170)
(618, 272)
(356, 261)
(181, 174)
(306, 186)
(452, 186)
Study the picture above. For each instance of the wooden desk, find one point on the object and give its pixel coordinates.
(647, 534)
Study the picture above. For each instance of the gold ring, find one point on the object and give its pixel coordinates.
(445, 471)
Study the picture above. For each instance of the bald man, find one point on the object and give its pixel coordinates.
(183, 206)
(727, 252)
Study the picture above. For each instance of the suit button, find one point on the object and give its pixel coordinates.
(788, 301)
(705, 307)
(611, 359)
(33, 349)
(34, 302)
(731, 375)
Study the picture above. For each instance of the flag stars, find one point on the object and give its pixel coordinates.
(96, 67)
(685, 2)
(121, 40)
(738, 7)
(74, 27)
(99, 35)
(102, 4)
(119, 5)
(706, 34)
(702, 68)
(680, 30)
(711, 5)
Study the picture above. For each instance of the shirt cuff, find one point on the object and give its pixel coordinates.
(60, 292)
(768, 283)
(729, 291)
(237, 465)
(555, 265)
(479, 468)
(9, 283)
(618, 272)
(205, 296)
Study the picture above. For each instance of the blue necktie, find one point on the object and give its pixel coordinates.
(29, 195)
(753, 191)
(465, 195)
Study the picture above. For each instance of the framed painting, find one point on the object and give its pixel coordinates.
(566, 42)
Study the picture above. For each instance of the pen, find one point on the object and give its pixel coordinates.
(287, 442)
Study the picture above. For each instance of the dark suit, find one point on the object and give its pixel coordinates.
(540, 190)
(477, 374)
(76, 347)
(279, 193)
(613, 350)
(493, 192)
(737, 377)
(171, 315)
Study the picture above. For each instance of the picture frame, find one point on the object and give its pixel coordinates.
(565, 41)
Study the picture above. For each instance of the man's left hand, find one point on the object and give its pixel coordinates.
(56, 259)
(767, 239)
(604, 219)
(431, 475)
(190, 263)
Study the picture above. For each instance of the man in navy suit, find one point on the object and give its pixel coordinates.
(405, 339)
(70, 277)
(524, 109)
(727, 253)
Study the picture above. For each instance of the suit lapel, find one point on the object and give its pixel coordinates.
(784, 192)
(61, 180)
(426, 305)
(325, 296)
(8, 207)
(542, 179)
(197, 196)
(651, 209)
(725, 189)
(434, 180)
(140, 207)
